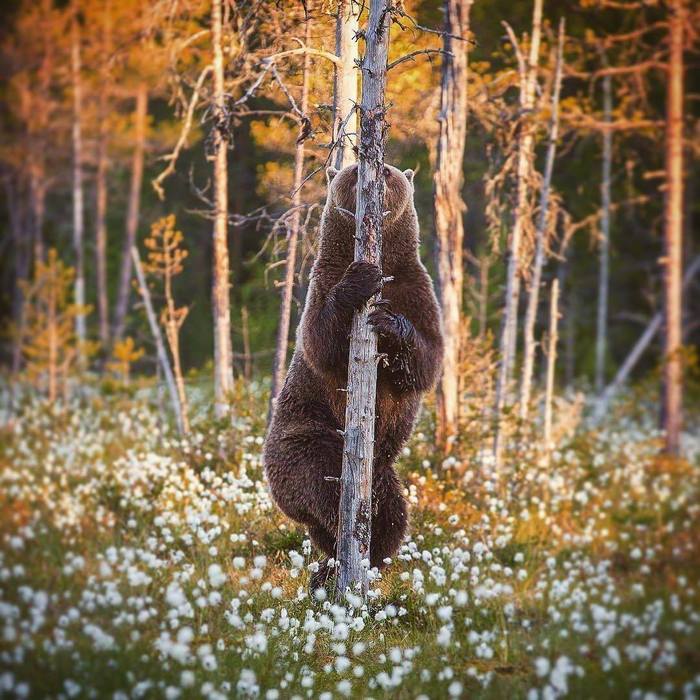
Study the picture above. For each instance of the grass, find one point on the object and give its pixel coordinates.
(575, 579)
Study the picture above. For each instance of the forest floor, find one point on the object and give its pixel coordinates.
(136, 564)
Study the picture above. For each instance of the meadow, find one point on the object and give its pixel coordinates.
(135, 563)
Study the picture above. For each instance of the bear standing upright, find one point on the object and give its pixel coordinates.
(304, 445)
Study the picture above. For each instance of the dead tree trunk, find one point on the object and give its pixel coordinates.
(101, 191)
(78, 210)
(604, 251)
(345, 93)
(132, 216)
(280, 360)
(158, 338)
(449, 210)
(221, 305)
(673, 366)
(508, 343)
(355, 513)
(551, 362)
(540, 237)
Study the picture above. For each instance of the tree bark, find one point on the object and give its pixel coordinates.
(541, 234)
(132, 217)
(551, 362)
(279, 367)
(101, 189)
(355, 513)
(449, 210)
(221, 305)
(78, 209)
(345, 92)
(673, 367)
(508, 343)
(158, 338)
(604, 251)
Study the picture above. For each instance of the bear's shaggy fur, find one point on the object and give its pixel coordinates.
(304, 445)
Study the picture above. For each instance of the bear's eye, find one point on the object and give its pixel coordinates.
(387, 172)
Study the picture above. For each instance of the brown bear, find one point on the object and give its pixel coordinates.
(303, 448)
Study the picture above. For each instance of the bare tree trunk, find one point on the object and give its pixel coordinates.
(247, 356)
(541, 234)
(101, 191)
(132, 216)
(172, 330)
(345, 93)
(449, 210)
(52, 322)
(221, 305)
(551, 362)
(673, 367)
(355, 513)
(78, 211)
(484, 265)
(279, 367)
(639, 347)
(158, 338)
(101, 221)
(604, 252)
(509, 330)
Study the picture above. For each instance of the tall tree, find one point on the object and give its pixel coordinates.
(604, 251)
(345, 93)
(78, 208)
(673, 234)
(540, 235)
(132, 215)
(280, 359)
(450, 207)
(101, 177)
(223, 359)
(355, 512)
(509, 328)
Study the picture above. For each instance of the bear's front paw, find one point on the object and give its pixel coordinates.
(361, 281)
(394, 327)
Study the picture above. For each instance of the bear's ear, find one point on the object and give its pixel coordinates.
(409, 175)
(330, 174)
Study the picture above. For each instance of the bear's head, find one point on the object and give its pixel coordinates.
(398, 190)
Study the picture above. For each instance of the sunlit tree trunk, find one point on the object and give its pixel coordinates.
(132, 216)
(509, 330)
(673, 368)
(52, 327)
(280, 360)
(551, 362)
(449, 210)
(604, 251)
(78, 210)
(541, 234)
(355, 512)
(101, 193)
(345, 93)
(221, 306)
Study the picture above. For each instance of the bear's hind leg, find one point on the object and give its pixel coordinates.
(390, 520)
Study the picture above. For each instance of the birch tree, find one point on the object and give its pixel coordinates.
(604, 250)
(540, 235)
(355, 513)
(78, 209)
(221, 305)
(133, 208)
(449, 209)
(673, 234)
(101, 178)
(508, 342)
(345, 92)
(280, 359)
